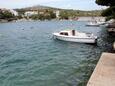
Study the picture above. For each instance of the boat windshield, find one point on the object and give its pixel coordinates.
(64, 33)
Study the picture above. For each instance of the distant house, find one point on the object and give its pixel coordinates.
(30, 13)
(57, 13)
(14, 12)
(41, 12)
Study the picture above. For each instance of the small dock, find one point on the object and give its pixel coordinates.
(104, 73)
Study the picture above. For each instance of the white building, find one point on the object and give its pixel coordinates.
(57, 13)
(30, 13)
(10, 10)
(14, 12)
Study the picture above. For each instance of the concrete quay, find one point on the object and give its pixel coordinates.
(104, 73)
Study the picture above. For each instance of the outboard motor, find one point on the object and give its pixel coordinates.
(73, 32)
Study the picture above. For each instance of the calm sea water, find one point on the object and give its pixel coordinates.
(30, 57)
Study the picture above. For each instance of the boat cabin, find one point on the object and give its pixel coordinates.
(68, 32)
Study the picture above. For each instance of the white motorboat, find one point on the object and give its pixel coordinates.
(75, 36)
(98, 23)
(101, 22)
(93, 24)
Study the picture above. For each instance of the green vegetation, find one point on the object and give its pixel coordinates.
(50, 13)
(6, 15)
(47, 14)
(109, 12)
(66, 14)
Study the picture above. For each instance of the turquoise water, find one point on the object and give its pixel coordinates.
(30, 57)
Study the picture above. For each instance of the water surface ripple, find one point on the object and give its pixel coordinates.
(30, 57)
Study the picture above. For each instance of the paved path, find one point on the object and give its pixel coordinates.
(104, 73)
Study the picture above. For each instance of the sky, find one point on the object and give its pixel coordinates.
(65, 4)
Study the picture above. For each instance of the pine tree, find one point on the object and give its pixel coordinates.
(110, 11)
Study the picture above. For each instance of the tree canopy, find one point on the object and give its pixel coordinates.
(106, 2)
(110, 11)
(6, 15)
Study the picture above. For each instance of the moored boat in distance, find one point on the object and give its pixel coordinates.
(75, 36)
(96, 23)
(93, 24)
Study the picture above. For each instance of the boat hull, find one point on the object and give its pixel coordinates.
(96, 24)
(93, 25)
(75, 39)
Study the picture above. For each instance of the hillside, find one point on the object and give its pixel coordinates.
(38, 7)
(67, 11)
